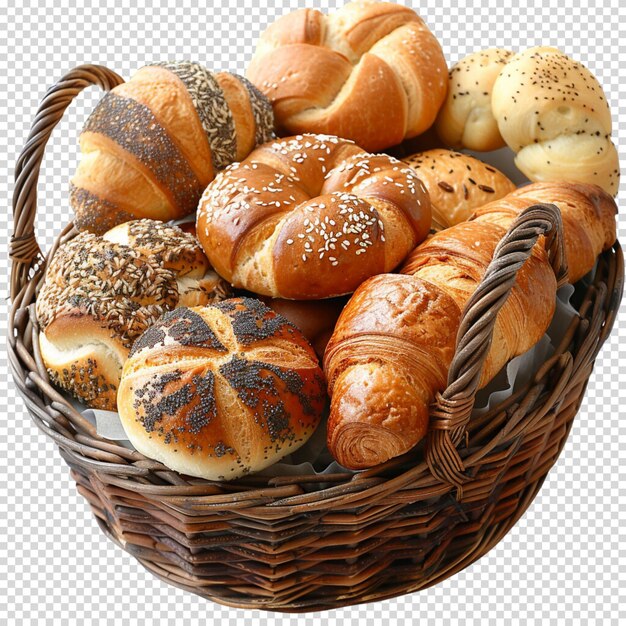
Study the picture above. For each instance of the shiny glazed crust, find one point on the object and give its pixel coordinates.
(372, 72)
(394, 340)
(152, 144)
(310, 217)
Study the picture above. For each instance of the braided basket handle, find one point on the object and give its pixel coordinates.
(24, 250)
(452, 408)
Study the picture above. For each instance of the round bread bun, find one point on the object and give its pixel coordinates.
(220, 391)
(311, 217)
(552, 111)
(101, 292)
(457, 184)
(465, 119)
(372, 72)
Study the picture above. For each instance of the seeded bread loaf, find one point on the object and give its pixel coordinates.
(457, 184)
(101, 292)
(152, 145)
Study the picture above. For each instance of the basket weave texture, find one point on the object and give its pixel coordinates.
(272, 542)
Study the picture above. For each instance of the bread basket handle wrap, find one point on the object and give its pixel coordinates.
(24, 251)
(452, 408)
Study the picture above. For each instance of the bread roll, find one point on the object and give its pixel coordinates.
(101, 292)
(394, 341)
(372, 72)
(457, 184)
(221, 391)
(310, 217)
(152, 145)
(553, 113)
(465, 119)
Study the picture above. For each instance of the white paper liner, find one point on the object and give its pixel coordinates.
(314, 458)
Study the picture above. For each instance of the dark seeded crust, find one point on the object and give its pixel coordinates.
(262, 112)
(178, 390)
(170, 244)
(113, 284)
(99, 296)
(199, 416)
(135, 129)
(86, 384)
(245, 377)
(253, 321)
(212, 107)
(183, 327)
(93, 213)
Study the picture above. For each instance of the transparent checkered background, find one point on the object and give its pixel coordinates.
(563, 561)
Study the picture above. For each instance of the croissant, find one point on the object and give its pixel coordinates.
(153, 144)
(395, 339)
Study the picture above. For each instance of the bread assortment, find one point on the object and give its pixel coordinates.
(309, 243)
(395, 339)
(372, 72)
(311, 216)
(222, 390)
(457, 184)
(152, 145)
(101, 292)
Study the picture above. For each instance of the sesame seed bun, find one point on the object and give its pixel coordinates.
(311, 216)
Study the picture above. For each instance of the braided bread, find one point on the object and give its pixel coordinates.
(372, 72)
(152, 144)
(311, 216)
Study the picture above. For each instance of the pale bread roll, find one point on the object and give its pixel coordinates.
(552, 111)
(466, 119)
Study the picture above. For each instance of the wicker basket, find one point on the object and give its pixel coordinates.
(269, 543)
